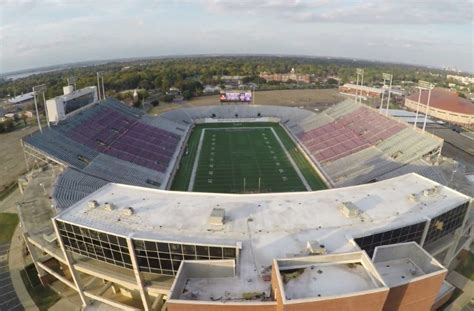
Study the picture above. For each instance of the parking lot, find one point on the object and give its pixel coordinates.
(8, 299)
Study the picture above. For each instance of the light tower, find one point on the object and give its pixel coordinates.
(423, 85)
(387, 77)
(360, 73)
(101, 92)
(40, 89)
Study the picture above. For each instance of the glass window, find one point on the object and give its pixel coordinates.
(370, 242)
(215, 252)
(188, 249)
(229, 252)
(150, 246)
(202, 250)
(446, 223)
(176, 248)
(166, 264)
(163, 247)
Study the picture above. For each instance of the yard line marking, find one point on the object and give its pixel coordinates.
(196, 161)
(305, 182)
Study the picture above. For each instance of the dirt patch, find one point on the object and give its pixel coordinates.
(307, 98)
(12, 162)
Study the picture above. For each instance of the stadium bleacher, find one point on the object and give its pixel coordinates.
(112, 142)
(72, 186)
(350, 142)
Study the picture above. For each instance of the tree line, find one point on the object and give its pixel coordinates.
(190, 74)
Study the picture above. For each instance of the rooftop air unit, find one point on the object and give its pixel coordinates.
(128, 211)
(217, 217)
(92, 204)
(349, 209)
(314, 248)
(108, 206)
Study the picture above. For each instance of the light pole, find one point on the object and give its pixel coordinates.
(98, 85)
(360, 72)
(37, 89)
(422, 85)
(388, 77)
(427, 106)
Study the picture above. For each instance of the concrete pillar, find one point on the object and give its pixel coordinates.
(34, 256)
(138, 276)
(425, 232)
(72, 270)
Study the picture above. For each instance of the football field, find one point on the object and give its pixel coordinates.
(243, 158)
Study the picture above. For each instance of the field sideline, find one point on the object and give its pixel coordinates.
(244, 158)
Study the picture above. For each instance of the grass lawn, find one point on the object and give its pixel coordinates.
(44, 297)
(244, 158)
(8, 223)
(466, 268)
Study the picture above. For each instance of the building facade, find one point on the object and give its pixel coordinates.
(139, 248)
(360, 90)
(286, 77)
(444, 105)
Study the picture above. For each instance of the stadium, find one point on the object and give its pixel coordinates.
(242, 207)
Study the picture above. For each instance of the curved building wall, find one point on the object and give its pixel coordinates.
(446, 115)
(159, 257)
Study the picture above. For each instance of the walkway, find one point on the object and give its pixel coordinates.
(8, 297)
(467, 286)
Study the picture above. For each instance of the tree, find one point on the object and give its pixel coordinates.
(332, 81)
(166, 98)
(187, 94)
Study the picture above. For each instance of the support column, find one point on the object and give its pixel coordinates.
(70, 264)
(138, 276)
(457, 235)
(34, 256)
(425, 232)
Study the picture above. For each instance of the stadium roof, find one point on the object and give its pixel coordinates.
(21, 98)
(264, 226)
(445, 100)
(277, 218)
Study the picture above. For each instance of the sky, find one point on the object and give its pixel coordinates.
(38, 33)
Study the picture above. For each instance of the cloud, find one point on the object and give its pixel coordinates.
(359, 11)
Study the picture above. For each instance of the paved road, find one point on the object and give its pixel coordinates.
(8, 299)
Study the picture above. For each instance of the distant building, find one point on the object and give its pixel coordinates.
(58, 107)
(461, 79)
(210, 89)
(444, 105)
(285, 77)
(23, 99)
(362, 90)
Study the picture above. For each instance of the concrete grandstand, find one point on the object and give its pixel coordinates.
(348, 144)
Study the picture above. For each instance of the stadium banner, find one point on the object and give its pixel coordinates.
(236, 96)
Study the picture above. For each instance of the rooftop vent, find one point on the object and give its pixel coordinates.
(314, 248)
(128, 211)
(412, 197)
(92, 204)
(349, 209)
(217, 217)
(108, 206)
(431, 191)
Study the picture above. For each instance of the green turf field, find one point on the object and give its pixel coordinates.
(244, 158)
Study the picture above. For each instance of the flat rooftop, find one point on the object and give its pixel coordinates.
(224, 289)
(287, 217)
(325, 280)
(261, 224)
(398, 271)
(402, 263)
